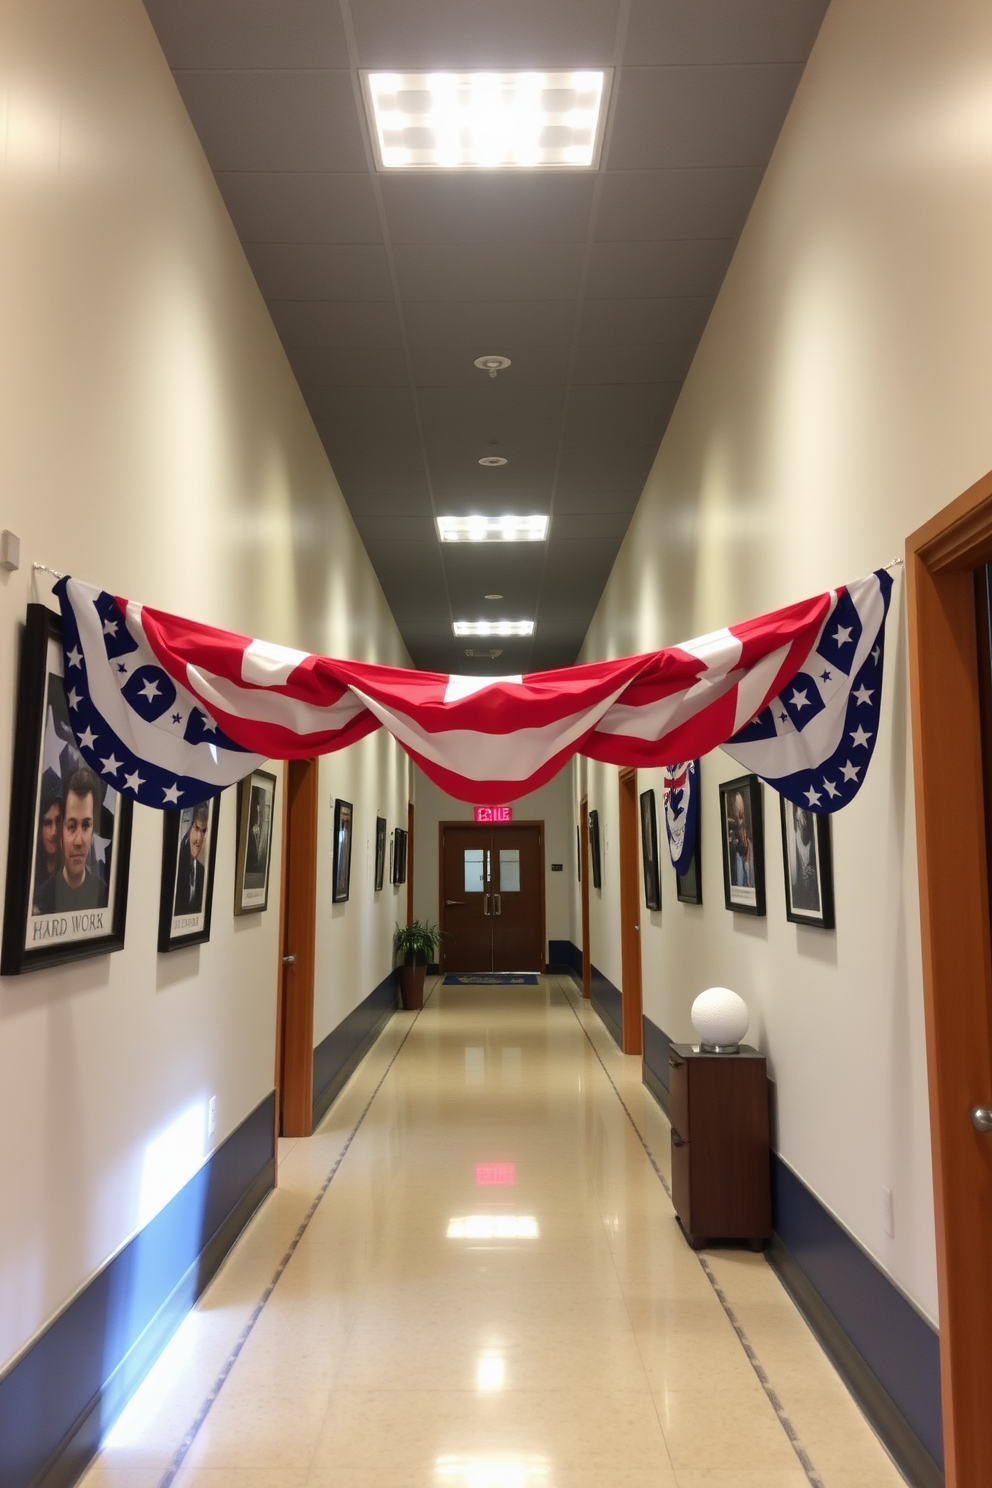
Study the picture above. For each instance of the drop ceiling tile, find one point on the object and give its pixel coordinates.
(275, 121)
(590, 527)
(700, 116)
(707, 202)
(453, 365)
(647, 362)
(378, 483)
(610, 411)
(616, 321)
(356, 366)
(604, 466)
(673, 32)
(267, 33)
(490, 208)
(300, 207)
(320, 271)
(590, 500)
(481, 271)
(489, 403)
(488, 326)
(336, 324)
(675, 267)
(462, 487)
(475, 33)
(358, 410)
(376, 530)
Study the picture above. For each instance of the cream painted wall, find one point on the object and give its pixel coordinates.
(152, 440)
(552, 804)
(839, 397)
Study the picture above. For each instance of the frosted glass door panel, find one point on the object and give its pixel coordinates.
(509, 870)
(473, 870)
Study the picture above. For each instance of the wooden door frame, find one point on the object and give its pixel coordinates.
(957, 967)
(632, 1005)
(494, 827)
(298, 922)
(584, 897)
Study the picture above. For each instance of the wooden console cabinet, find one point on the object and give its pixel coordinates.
(720, 1162)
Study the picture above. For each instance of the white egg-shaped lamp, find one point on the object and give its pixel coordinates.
(720, 1018)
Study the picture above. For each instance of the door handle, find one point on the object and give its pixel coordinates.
(981, 1118)
(449, 902)
(637, 927)
(497, 905)
(289, 960)
(485, 905)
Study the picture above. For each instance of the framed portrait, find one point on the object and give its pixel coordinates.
(689, 885)
(595, 860)
(649, 851)
(70, 831)
(189, 856)
(256, 805)
(380, 852)
(578, 852)
(343, 821)
(809, 880)
(743, 844)
(398, 873)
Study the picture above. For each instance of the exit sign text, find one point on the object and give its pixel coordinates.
(493, 813)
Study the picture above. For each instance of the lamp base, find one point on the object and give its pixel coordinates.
(719, 1048)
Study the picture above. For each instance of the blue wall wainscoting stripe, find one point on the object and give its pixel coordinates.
(336, 1056)
(897, 1344)
(607, 1001)
(564, 953)
(654, 1062)
(61, 1397)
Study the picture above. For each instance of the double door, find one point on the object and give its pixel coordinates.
(492, 897)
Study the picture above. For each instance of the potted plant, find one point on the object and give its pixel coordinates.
(416, 945)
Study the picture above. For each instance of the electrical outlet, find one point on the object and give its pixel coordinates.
(888, 1213)
(211, 1116)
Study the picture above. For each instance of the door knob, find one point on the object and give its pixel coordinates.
(981, 1118)
(289, 960)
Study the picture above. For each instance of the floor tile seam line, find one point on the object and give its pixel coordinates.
(183, 1450)
(805, 1461)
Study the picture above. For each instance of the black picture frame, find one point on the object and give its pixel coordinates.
(578, 852)
(689, 886)
(380, 852)
(807, 865)
(344, 821)
(649, 851)
(595, 859)
(741, 823)
(398, 866)
(46, 757)
(256, 818)
(189, 861)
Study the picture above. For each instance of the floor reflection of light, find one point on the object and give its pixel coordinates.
(491, 1372)
(494, 1472)
(501, 1174)
(493, 1227)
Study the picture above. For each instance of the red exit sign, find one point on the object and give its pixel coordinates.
(493, 813)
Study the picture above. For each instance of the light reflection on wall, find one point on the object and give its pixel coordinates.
(491, 1372)
(171, 1159)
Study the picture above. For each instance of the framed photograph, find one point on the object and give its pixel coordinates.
(341, 886)
(649, 851)
(578, 851)
(689, 885)
(743, 845)
(380, 852)
(595, 861)
(256, 806)
(809, 879)
(398, 867)
(70, 832)
(189, 855)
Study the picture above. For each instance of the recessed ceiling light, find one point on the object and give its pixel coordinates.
(492, 529)
(492, 596)
(493, 627)
(492, 364)
(487, 120)
(493, 460)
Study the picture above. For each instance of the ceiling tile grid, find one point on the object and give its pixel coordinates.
(385, 287)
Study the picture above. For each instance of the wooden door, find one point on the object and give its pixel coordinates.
(466, 897)
(518, 898)
(630, 916)
(298, 917)
(946, 675)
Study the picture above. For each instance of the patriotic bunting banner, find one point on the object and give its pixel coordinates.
(170, 712)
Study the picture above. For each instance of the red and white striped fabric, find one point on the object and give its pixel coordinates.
(479, 738)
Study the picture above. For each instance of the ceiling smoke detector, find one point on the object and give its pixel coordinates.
(489, 655)
(492, 596)
(492, 364)
(493, 460)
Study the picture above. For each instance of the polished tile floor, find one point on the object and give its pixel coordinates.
(491, 1293)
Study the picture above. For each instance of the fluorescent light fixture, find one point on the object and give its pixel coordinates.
(493, 1227)
(492, 529)
(493, 627)
(487, 120)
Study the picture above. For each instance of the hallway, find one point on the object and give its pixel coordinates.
(491, 1292)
